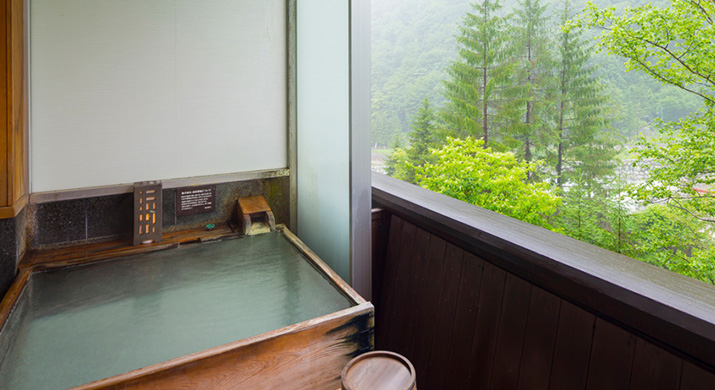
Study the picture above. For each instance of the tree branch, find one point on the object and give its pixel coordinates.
(678, 206)
(667, 81)
(701, 9)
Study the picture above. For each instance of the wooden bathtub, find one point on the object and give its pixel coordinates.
(297, 334)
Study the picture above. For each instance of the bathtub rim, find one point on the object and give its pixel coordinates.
(359, 307)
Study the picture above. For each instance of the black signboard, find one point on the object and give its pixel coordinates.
(194, 200)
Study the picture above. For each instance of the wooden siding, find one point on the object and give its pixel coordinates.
(468, 324)
(13, 115)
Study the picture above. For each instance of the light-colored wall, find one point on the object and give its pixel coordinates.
(132, 90)
(323, 123)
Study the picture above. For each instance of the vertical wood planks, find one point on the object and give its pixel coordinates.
(510, 336)
(490, 303)
(429, 299)
(539, 340)
(695, 378)
(465, 321)
(448, 292)
(654, 368)
(416, 275)
(382, 312)
(467, 324)
(611, 357)
(397, 313)
(380, 234)
(569, 368)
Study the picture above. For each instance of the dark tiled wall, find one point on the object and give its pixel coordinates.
(12, 247)
(276, 191)
(110, 217)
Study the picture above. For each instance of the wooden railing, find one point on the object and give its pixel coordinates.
(477, 300)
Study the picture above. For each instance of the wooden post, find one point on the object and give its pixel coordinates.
(13, 108)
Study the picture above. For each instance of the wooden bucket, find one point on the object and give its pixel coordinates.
(379, 370)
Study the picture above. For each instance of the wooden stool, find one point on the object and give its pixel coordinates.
(255, 207)
(379, 370)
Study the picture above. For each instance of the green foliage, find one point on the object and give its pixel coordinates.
(464, 170)
(533, 128)
(681, 162)
(674, 240)
(584, 142)
(673, 45)
(403, 162)
(540, 93)
(479, 94)
(399, 166)
(591, 217)
(423, 135)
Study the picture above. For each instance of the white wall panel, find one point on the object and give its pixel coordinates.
(130, 90)
(323, 96)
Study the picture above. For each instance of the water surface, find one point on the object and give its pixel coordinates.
(75, 325)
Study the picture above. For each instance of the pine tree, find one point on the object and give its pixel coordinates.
(422, 135)
(584, 139)
(477, 97)
(534, 73)
(403, 162)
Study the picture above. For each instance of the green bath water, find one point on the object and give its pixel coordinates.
(80, 324)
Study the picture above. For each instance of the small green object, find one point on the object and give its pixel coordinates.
(210, 226)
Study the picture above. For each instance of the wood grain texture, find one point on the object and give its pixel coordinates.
(444, 342)
(12, 211)
(569, 368)
(428, 296)
(611, 357)
(675, 310)
(654, 368)
(465, 321)
(510, 336)
(380, 234)
(10, 298)
(13, 113)
(539, 340)
(309, 355)
(388, 290)
(696, 378)
(328, 272)
(484, 342)
(80, 254)
(398, 315)
(18, 115)
(6, 150)
(569, 340)
(502, 332)
(416, 269)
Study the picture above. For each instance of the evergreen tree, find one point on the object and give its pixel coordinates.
(403, 162)
(584, 140)
(534, 72)
(422, 135)
(477, 94)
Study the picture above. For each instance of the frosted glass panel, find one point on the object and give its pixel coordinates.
(324, 131)
(131, 90)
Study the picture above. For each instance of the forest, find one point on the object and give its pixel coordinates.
(595, 120)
